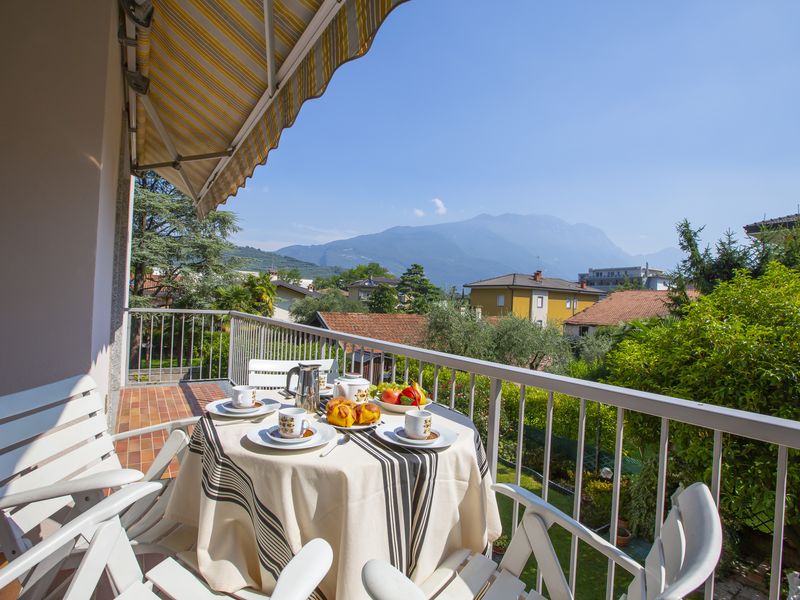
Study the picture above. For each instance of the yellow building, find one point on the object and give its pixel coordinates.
(540, 299)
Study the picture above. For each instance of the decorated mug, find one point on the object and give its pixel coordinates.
(418, 424)
(292, 422)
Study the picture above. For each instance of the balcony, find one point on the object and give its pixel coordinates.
(178, 360)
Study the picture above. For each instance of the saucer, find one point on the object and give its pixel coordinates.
(274, 434)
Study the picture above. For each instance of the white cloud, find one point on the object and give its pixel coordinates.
(419, 212)
(440, 209)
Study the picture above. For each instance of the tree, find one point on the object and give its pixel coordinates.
(345, 278)
(188, 254)
(292, 275)
(305, 310)
(457, 330)
(383, 299)
(519, 342)
(256, 295)
(735, 347)
(416, 290)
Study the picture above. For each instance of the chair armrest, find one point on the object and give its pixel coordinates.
(105, 509)
(550, 514)
(383, 582)
(304, 572)
(105, 479)
(169, 426)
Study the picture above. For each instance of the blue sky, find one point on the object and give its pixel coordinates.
(627, 115)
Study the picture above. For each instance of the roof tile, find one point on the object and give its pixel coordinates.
(624, 306)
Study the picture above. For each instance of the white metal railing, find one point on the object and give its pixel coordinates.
(168, 345)
(265, 338)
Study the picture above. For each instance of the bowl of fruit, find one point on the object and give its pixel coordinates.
(399, 398)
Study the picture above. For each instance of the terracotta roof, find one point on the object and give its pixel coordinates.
(398, 328)
(523, 280)
(621, 307)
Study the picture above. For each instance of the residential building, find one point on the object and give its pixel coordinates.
(620, 307)
(361, 289)
(286, 294)
(608, 278)
(540, 299)
(773, 230)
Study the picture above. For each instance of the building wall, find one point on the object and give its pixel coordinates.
(521, 303)
(486, 299)
(59, 167)
(557, 305)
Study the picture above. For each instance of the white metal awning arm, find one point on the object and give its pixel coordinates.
(316, 27)
(269, 43)
(167, 139)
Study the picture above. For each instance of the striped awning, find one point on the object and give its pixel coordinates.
(213, 84)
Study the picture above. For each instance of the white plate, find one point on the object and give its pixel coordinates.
(258, 435)
(218, 408)
(324, 420)
(388, 434)
(397, 408)
(274, 434)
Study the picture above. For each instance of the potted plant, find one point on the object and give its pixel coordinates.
(623, 536)
(499, 547)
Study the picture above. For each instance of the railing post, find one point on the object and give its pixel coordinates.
(231, 335)
(493, 431)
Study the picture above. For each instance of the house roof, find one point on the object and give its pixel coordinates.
(624, 306)
(295, 288)
(373, 282)
(397, 328)
(787, 222)
(524, 280)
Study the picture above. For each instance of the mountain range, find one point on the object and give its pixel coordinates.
(264, 261)
(484, 246)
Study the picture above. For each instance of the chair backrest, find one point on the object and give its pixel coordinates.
(49, 434)
(271, 374)
(686, 551)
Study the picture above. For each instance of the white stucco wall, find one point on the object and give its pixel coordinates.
(539, 314)
(61, 118)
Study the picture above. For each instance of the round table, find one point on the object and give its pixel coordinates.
(255, 507)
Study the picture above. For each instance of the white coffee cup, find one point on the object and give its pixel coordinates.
(244, 396)
(418, 424)
(292, 422)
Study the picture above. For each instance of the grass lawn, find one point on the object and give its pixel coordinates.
(167, 363)
(592, 566)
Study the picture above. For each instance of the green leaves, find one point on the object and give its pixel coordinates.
(188, 255)
(738, 347)
(383, 299)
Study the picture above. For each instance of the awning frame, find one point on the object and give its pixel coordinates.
(324, 15)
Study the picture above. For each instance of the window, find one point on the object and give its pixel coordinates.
(539, 301)
(569, 303)
(501, 299)
(539, 322)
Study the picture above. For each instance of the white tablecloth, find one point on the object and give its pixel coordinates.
(254, 507)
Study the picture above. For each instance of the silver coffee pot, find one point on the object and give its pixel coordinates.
(306, 394)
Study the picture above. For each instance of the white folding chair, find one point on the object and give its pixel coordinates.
(55, 438)
(106, 549)
(681, 559)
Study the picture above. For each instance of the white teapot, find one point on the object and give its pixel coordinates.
(353, 387)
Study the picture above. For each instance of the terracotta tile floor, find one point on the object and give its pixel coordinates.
(151, 405)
